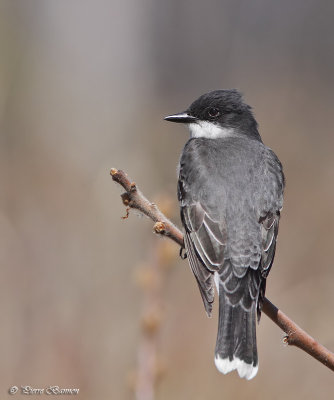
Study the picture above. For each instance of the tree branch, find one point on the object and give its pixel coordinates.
(295, 336)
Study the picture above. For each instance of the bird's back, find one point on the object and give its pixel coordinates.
(236, 180)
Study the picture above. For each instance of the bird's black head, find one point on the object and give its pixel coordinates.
(219, 113)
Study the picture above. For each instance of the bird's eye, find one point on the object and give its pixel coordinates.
(213, 112)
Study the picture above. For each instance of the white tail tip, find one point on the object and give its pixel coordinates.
(225, 365)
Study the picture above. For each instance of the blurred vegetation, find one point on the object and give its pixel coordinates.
(83, 88)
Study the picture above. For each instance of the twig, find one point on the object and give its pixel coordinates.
(133, 198)
(295, 336)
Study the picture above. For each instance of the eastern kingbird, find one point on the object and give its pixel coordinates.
(230, 190)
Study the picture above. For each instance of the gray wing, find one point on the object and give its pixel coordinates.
(205, 241)
(269, 220)
(252, 229)
(269, 231)
(250, 257)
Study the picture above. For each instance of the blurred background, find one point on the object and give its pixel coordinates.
(84, 86)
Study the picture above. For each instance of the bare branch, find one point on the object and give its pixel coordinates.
(133, 198)
(295, 336)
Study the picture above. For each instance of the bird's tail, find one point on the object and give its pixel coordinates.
(236, 339)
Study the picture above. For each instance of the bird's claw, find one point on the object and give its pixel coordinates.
(183, 253)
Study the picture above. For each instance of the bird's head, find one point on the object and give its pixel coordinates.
(218, 114)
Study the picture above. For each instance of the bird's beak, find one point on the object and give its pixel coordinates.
(183, 117)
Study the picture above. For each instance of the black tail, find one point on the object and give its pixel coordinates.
(236, 339)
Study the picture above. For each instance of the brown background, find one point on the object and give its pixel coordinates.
(84, 86)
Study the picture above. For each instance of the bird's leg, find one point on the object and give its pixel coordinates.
(183, 253)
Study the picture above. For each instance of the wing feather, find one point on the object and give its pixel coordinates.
(203, 276)
(205, 241)
(269, 231)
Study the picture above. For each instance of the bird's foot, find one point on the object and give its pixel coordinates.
(183, 253)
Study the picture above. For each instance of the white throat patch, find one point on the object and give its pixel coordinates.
(209, 130)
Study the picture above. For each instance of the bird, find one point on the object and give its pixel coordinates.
(230, 190)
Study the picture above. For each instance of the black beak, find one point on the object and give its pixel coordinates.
(183, 118)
